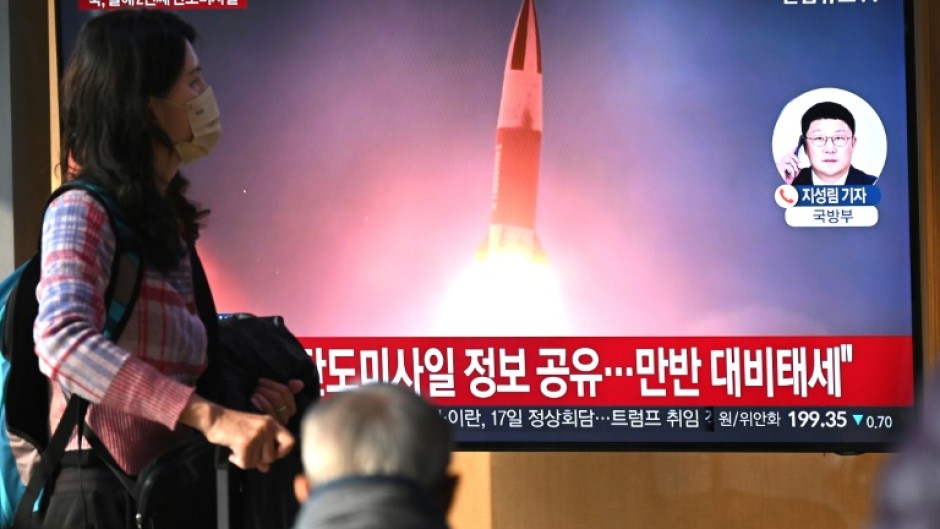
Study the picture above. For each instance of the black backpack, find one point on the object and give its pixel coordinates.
(28, 454)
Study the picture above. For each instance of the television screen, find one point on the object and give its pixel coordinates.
(605, 225)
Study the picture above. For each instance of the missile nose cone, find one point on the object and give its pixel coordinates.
(521, 101)
(525, 50)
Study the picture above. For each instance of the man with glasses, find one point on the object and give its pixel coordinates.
(829, 140)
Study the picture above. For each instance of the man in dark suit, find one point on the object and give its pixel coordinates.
(829, 141)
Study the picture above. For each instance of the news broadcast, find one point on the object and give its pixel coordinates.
(605, 225)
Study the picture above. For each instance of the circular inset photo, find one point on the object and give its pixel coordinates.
(829, 136)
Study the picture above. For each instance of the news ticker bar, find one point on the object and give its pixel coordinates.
(831, 371)
(104, 5)
(676, 424)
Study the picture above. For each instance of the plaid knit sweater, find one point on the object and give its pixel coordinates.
(138, 386)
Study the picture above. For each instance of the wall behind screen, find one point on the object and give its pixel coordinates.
(615, 490)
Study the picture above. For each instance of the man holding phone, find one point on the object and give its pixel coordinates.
(829, 140)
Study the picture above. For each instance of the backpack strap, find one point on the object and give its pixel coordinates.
(121, 294)
(120, 297)
(205, 304)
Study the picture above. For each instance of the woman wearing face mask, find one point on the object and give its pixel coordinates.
(134, 107)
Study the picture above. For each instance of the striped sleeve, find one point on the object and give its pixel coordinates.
(78, 248)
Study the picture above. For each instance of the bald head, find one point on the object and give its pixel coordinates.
(376, 429)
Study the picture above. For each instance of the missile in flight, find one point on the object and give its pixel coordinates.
(518, 143)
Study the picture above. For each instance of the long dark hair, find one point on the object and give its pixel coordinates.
(123, 58)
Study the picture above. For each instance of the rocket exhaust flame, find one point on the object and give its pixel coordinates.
(507, 294)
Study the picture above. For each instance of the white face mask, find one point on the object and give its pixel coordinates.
(203, 113)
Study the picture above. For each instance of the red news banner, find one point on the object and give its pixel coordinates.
(95, 5)
(614, 371)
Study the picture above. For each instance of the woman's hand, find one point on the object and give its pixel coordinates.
(256, 440)
(275, 399)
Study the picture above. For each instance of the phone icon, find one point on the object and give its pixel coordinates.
(786, 196)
